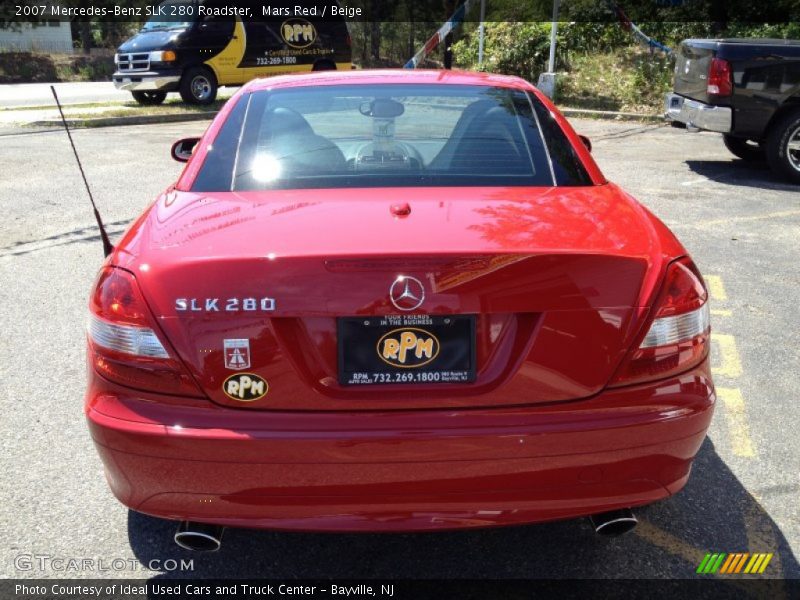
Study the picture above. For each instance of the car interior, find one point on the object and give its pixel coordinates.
(486, 137)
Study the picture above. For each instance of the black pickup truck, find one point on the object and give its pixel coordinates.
(746, 89)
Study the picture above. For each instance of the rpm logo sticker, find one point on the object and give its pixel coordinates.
(245, 387)
(298, 33)
(409, 348)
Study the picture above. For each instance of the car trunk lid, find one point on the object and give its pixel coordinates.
(555, 279)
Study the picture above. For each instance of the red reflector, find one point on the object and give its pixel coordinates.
(720, 78)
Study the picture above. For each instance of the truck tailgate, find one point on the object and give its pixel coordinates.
(691, 70)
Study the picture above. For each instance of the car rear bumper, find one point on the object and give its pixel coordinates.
(403, 470)
(698, 115)
(147, 81)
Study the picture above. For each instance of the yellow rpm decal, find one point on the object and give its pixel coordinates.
(298, 33)
(408, 348)
(245, 387)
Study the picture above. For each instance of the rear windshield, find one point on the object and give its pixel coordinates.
(387, 135)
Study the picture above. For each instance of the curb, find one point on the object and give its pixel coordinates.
(611, 115)
(133, 120)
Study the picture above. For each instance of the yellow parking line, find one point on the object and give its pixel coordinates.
(736, 415)
(731, 364)
(715, 287)
(721, 312)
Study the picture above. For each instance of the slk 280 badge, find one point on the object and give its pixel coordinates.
(224, 304)
(245, 387)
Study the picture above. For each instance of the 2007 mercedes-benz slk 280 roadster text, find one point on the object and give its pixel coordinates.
(395, 301)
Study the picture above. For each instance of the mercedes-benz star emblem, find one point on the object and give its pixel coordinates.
(407, 293)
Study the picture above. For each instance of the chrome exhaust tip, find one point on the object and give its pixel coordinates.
(200, 537)
(614, 522)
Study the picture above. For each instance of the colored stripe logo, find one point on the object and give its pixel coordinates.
(731, 564)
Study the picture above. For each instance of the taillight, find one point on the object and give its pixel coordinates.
(124, 345)
(720, 78)
(679, 332)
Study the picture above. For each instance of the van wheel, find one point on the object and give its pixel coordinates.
(149, 98)
(198, 86)
(744, 149)
(324, 65)
(783, 147)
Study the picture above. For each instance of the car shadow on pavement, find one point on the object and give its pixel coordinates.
(740, 173)
(714, 513)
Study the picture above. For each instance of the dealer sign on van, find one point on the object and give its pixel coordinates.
(298, 33)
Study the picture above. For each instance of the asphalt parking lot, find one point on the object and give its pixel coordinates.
(740, 223)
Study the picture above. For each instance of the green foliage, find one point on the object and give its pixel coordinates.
(630, 79)
(29, 67)
(513, 48)
(652, 76)
(26, 67)
(789, 31)
(600, 64)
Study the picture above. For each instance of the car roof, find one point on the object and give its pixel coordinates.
(387, 76)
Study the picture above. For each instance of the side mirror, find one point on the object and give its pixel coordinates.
(586, 142)
(182, 150)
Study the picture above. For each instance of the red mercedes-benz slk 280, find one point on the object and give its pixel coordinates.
(395, 301)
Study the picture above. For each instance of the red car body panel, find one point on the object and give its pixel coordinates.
(400, 470)
(562, 280)
(574, 277)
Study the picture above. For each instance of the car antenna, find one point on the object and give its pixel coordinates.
(107, 247)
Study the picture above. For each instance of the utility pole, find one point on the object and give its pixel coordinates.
(551, 63)
(547, 81)
(481, 33)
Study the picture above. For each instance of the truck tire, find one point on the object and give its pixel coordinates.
(149, 98)
(198, 86)
(783, 147)
(742, 148)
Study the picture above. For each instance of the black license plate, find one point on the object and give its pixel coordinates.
(395, 349)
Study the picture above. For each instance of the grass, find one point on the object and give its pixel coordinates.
(628, 80)
(129, 109)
